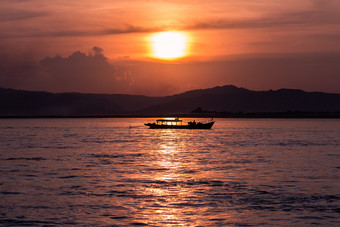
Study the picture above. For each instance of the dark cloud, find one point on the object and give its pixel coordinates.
(311, 72)
(7, 15)
(78, 72)
(321, 12)
(17, 70)
(301, 18)
(97, 50)
(132, 29)
(82, 33)
(84, 73)
(93, 73)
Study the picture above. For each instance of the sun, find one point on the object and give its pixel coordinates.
(169, 45)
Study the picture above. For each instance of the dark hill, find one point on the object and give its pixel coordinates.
(220, 99)
(232, 99)
(30, 103)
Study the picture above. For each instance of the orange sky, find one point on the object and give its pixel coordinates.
(259, 44)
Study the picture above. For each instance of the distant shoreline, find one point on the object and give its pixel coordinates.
(297, 115)
(220, 102)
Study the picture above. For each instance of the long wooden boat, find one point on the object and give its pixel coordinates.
(176, 123)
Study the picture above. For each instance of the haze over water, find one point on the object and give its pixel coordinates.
(242, 172)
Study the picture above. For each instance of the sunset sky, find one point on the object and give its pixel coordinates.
(107, 46)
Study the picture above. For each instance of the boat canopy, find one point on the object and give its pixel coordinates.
(169, 119)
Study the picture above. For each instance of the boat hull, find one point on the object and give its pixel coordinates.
(195, 126)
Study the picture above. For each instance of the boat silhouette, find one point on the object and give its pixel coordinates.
(176, 123)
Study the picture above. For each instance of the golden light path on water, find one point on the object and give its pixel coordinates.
(167, 149)
(178, 203)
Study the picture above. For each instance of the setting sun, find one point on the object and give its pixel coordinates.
(169, 45)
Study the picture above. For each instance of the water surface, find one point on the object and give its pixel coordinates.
(117, 172)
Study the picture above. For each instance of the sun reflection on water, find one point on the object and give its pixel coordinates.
(167, 209)
(180, 185)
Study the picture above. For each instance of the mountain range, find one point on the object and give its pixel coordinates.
(221, 99)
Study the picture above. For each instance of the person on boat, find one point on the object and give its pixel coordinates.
(192, 122)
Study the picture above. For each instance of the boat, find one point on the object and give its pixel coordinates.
(176, 123)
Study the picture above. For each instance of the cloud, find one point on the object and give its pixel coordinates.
(81, 32)
(17, 70)
(310, 17)
(105, 18)
(301, 18)
(84, 73)
(18, 15)
(311, 72)
(97, 50)
(93, 73)
(132, 29)
(16, 10)
(78, 72)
